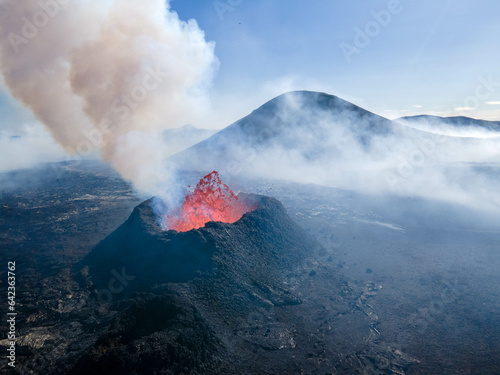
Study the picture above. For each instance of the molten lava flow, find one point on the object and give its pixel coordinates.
(211, 200)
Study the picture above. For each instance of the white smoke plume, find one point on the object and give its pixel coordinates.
(107, 76)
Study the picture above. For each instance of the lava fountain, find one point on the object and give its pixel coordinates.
(211, 200)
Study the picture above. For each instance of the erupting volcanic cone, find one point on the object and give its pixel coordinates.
(264, 237)
(211, 200)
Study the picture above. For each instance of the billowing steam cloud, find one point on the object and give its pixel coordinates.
(106, 75)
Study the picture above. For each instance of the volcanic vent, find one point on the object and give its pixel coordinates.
(211, 200)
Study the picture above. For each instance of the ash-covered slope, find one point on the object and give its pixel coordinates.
(295, 132)
(305, 122)
(303, 110)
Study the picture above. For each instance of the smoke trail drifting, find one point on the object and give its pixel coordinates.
(104, 76)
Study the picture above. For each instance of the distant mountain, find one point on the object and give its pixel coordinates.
(311, 125)
(319, 138)
(304, 110)
(459, 121)
(184, 137)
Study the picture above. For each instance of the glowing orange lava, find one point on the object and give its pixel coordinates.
(211, 200)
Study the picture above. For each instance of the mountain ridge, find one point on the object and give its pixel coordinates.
(310, 125)
(460, 121)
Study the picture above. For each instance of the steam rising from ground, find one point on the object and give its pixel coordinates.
(318, 138)
(25, 150)
(107, 76)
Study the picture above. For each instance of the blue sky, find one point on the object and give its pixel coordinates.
(429, 58)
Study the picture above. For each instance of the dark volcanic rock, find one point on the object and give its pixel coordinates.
(156, 335)
(200, 285)
(263, 240)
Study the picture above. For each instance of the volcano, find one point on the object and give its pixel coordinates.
(262, 238)
(295, 128)
(198, 284)
(291, 121)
